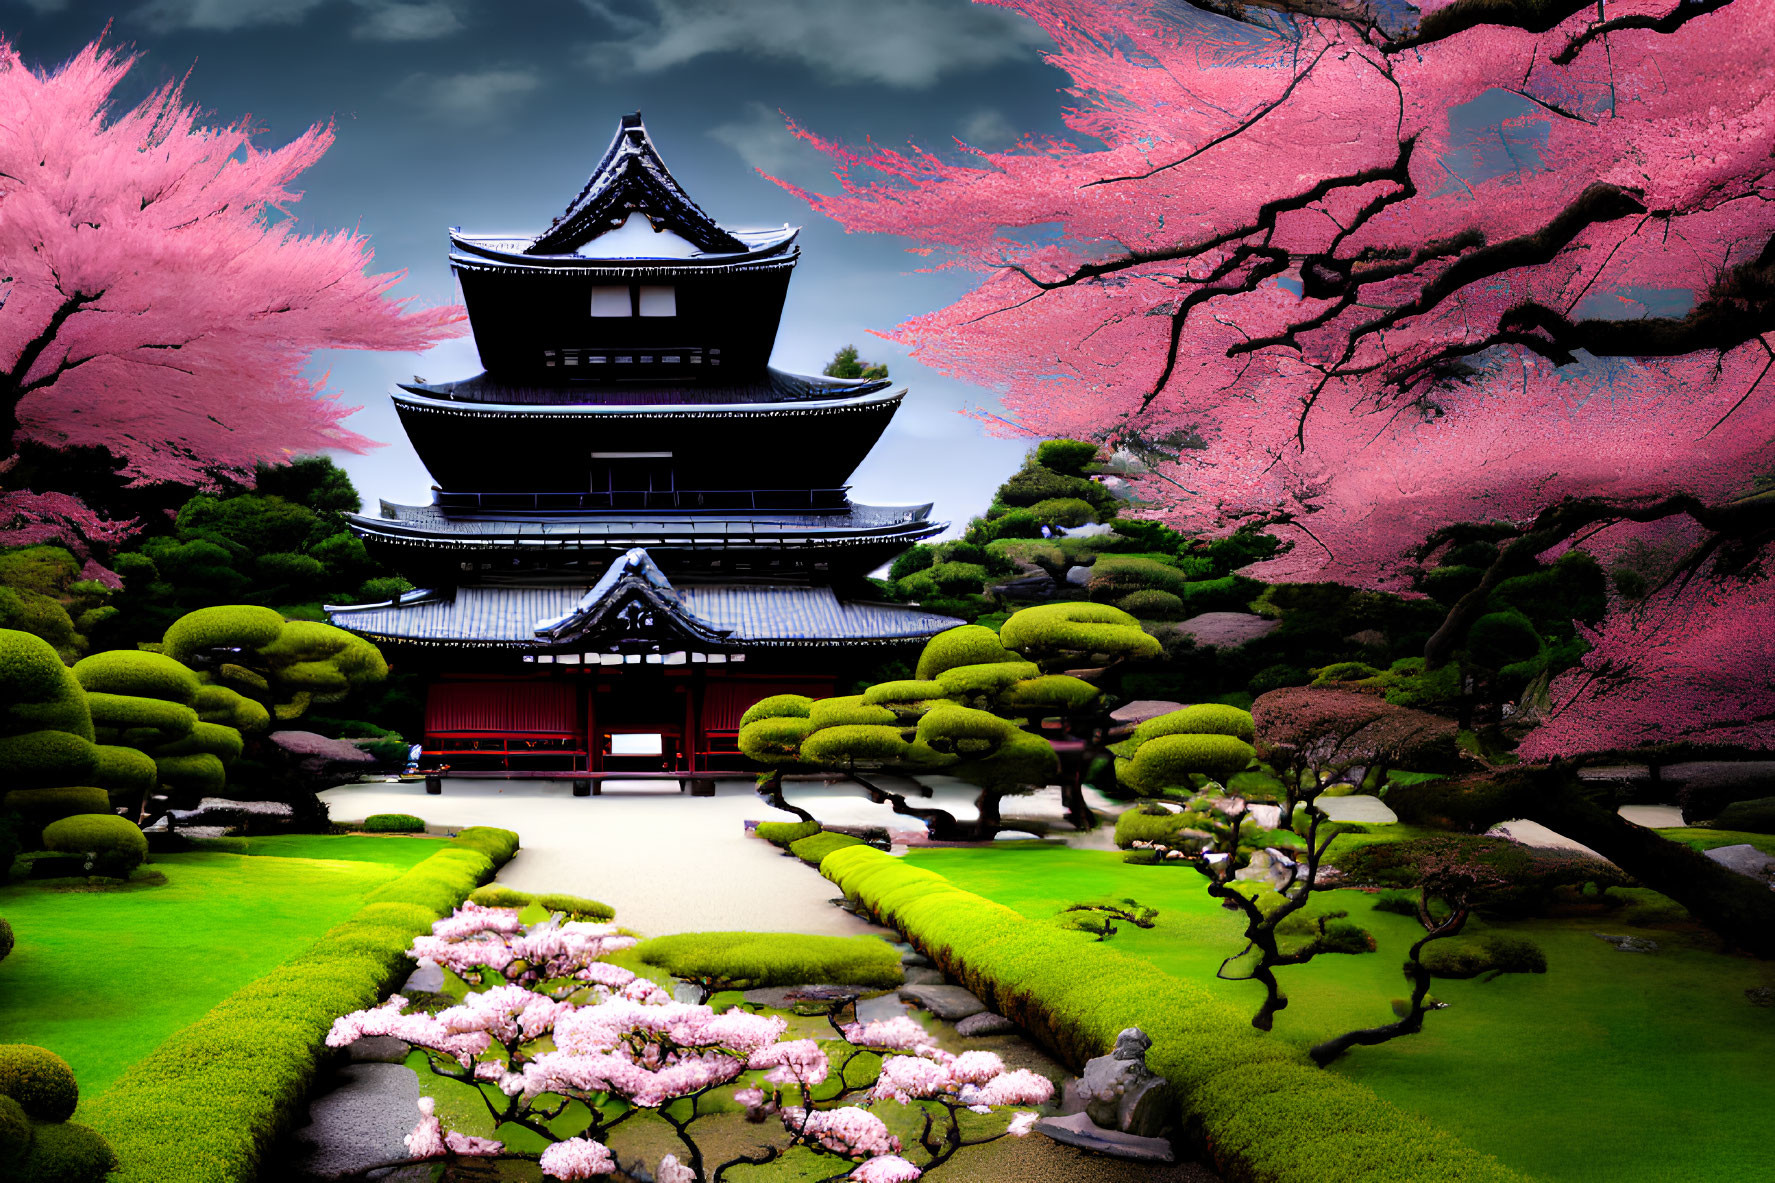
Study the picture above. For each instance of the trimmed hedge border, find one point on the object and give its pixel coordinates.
(206, 1104)
(1262, 1113)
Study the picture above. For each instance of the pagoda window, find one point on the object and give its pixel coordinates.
(658, 299)
(611, 300)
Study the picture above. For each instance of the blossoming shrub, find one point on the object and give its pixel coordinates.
(206, 1104)
(548, 1020)
(744, 960)
(1260, 1111)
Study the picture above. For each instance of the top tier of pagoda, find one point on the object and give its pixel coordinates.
(634, 281)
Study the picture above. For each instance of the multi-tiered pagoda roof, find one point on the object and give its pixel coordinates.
(628, 444)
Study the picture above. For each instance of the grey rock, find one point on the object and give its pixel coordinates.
(1744, 859)
(1119, 1092)
(946, 1002)
(983, 1024)
(924, 975)
(1030, 587)
(881, 1008)
(1016, 836)
(378, 1049)
(1357, 807)
(803, 1000)
(1760, 995)
(1228, 630)
(1628, 944)
(912, 958)
(361, 1122)
(1142, 709)
(427, 979)
(1078, 576)
(1078, 1130)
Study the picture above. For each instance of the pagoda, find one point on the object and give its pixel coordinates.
(638, 526)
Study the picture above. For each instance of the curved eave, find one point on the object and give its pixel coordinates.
(408, 398)
(400, 534)
(485, 252)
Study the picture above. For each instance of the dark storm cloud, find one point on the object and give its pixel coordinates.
(903, 43)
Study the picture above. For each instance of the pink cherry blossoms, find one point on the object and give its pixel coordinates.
(599, 1034)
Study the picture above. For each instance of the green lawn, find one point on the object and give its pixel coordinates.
(1610, 1067)
(102, 977)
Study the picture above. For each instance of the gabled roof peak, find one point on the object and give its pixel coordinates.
(632, 178)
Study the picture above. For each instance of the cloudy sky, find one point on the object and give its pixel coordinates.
(489, 116)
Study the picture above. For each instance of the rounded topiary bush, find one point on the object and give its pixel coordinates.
(42, 759)
(774, 740)
(576, 907)
(135, 673)
(1168, 761)
(777, 706)
(67, 1152)
(1063, 511)
(202, 773)
(1753, 817)
(125, 770)
(989, 678)
(1050, 692)
(786, 833)
(15, 1132)
(229, 626)
(905, 690)
(1152, 604)
(394, 823)
(1073, 627)
(1065, 456)
(848, 708)
(39, 1080)
(968, 644)
(42, 806)
(1207, 718)
(115, 839)
(841, 745)
(498, 895)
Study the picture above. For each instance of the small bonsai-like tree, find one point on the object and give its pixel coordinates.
(285, 666)
(46, 737)
(1311, 736)
(146, 701)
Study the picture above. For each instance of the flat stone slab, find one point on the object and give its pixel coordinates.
(1744, 859)
(1228, 630)
(361, 1122)
(1628, 944)
(924, 975)
(1016, 836)
(1535, 834)
(1142, 709)
(378, 1049)
(881, 1008)
(814, 999)
(983, 1024)
(913, 959)
(946, 1002)
(1359, 807)
(1078, 1130)
(1653, 817)
(427, 979)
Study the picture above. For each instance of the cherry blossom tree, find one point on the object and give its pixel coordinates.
(1373, 277)
(548, 1021)
(157, 301)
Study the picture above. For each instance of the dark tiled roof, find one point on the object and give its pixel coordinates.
(772, 386)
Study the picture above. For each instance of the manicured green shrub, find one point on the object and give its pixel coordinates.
(848, 709)
(117, 840)
(1340, 934)
(1035, 484)
(125, 712)
(45, 759)
(1528, 876)
(747, 960)
(775, 740)
(206, 1105)
(916, 559)
(219, 704)
(1113, 576)
(229, 626)
(1472, 806)
(15, 1133)
(1167, 761)
(498, 895)
(224, 743)
(201, 773)
(31, 671)
(906, 690)
(944, 579)
(1207, 718)
(1265, 1115)
(786, 833)
(1152, 604)
(1049, 630)
(1754, 817)
(39, 807)
(811, 850)
(1400, 903)
(65, 1152)
(134, 673)
(126, 771)
(985, 679)
(1061, 693)
(840, 746)
(1493, 954)
(956, 730)
(777, 706)
(39, 1080)
(394, 823)
(576, 907)
(1064, 456)
(968, 644)
(1153, 823)
(1498, 639)
(1063, 511)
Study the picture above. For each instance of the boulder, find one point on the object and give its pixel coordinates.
(1078, 576)
(1078, 1130)
(378, 1049)
(1029, 587)
(1118, 1092)
(360, 1123)
(1744, 859)
(946, 1002)
(803, 1000)
(1227, 630)
(1357, 807)
(427, 979)
(922, 975)
(983, 1024)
